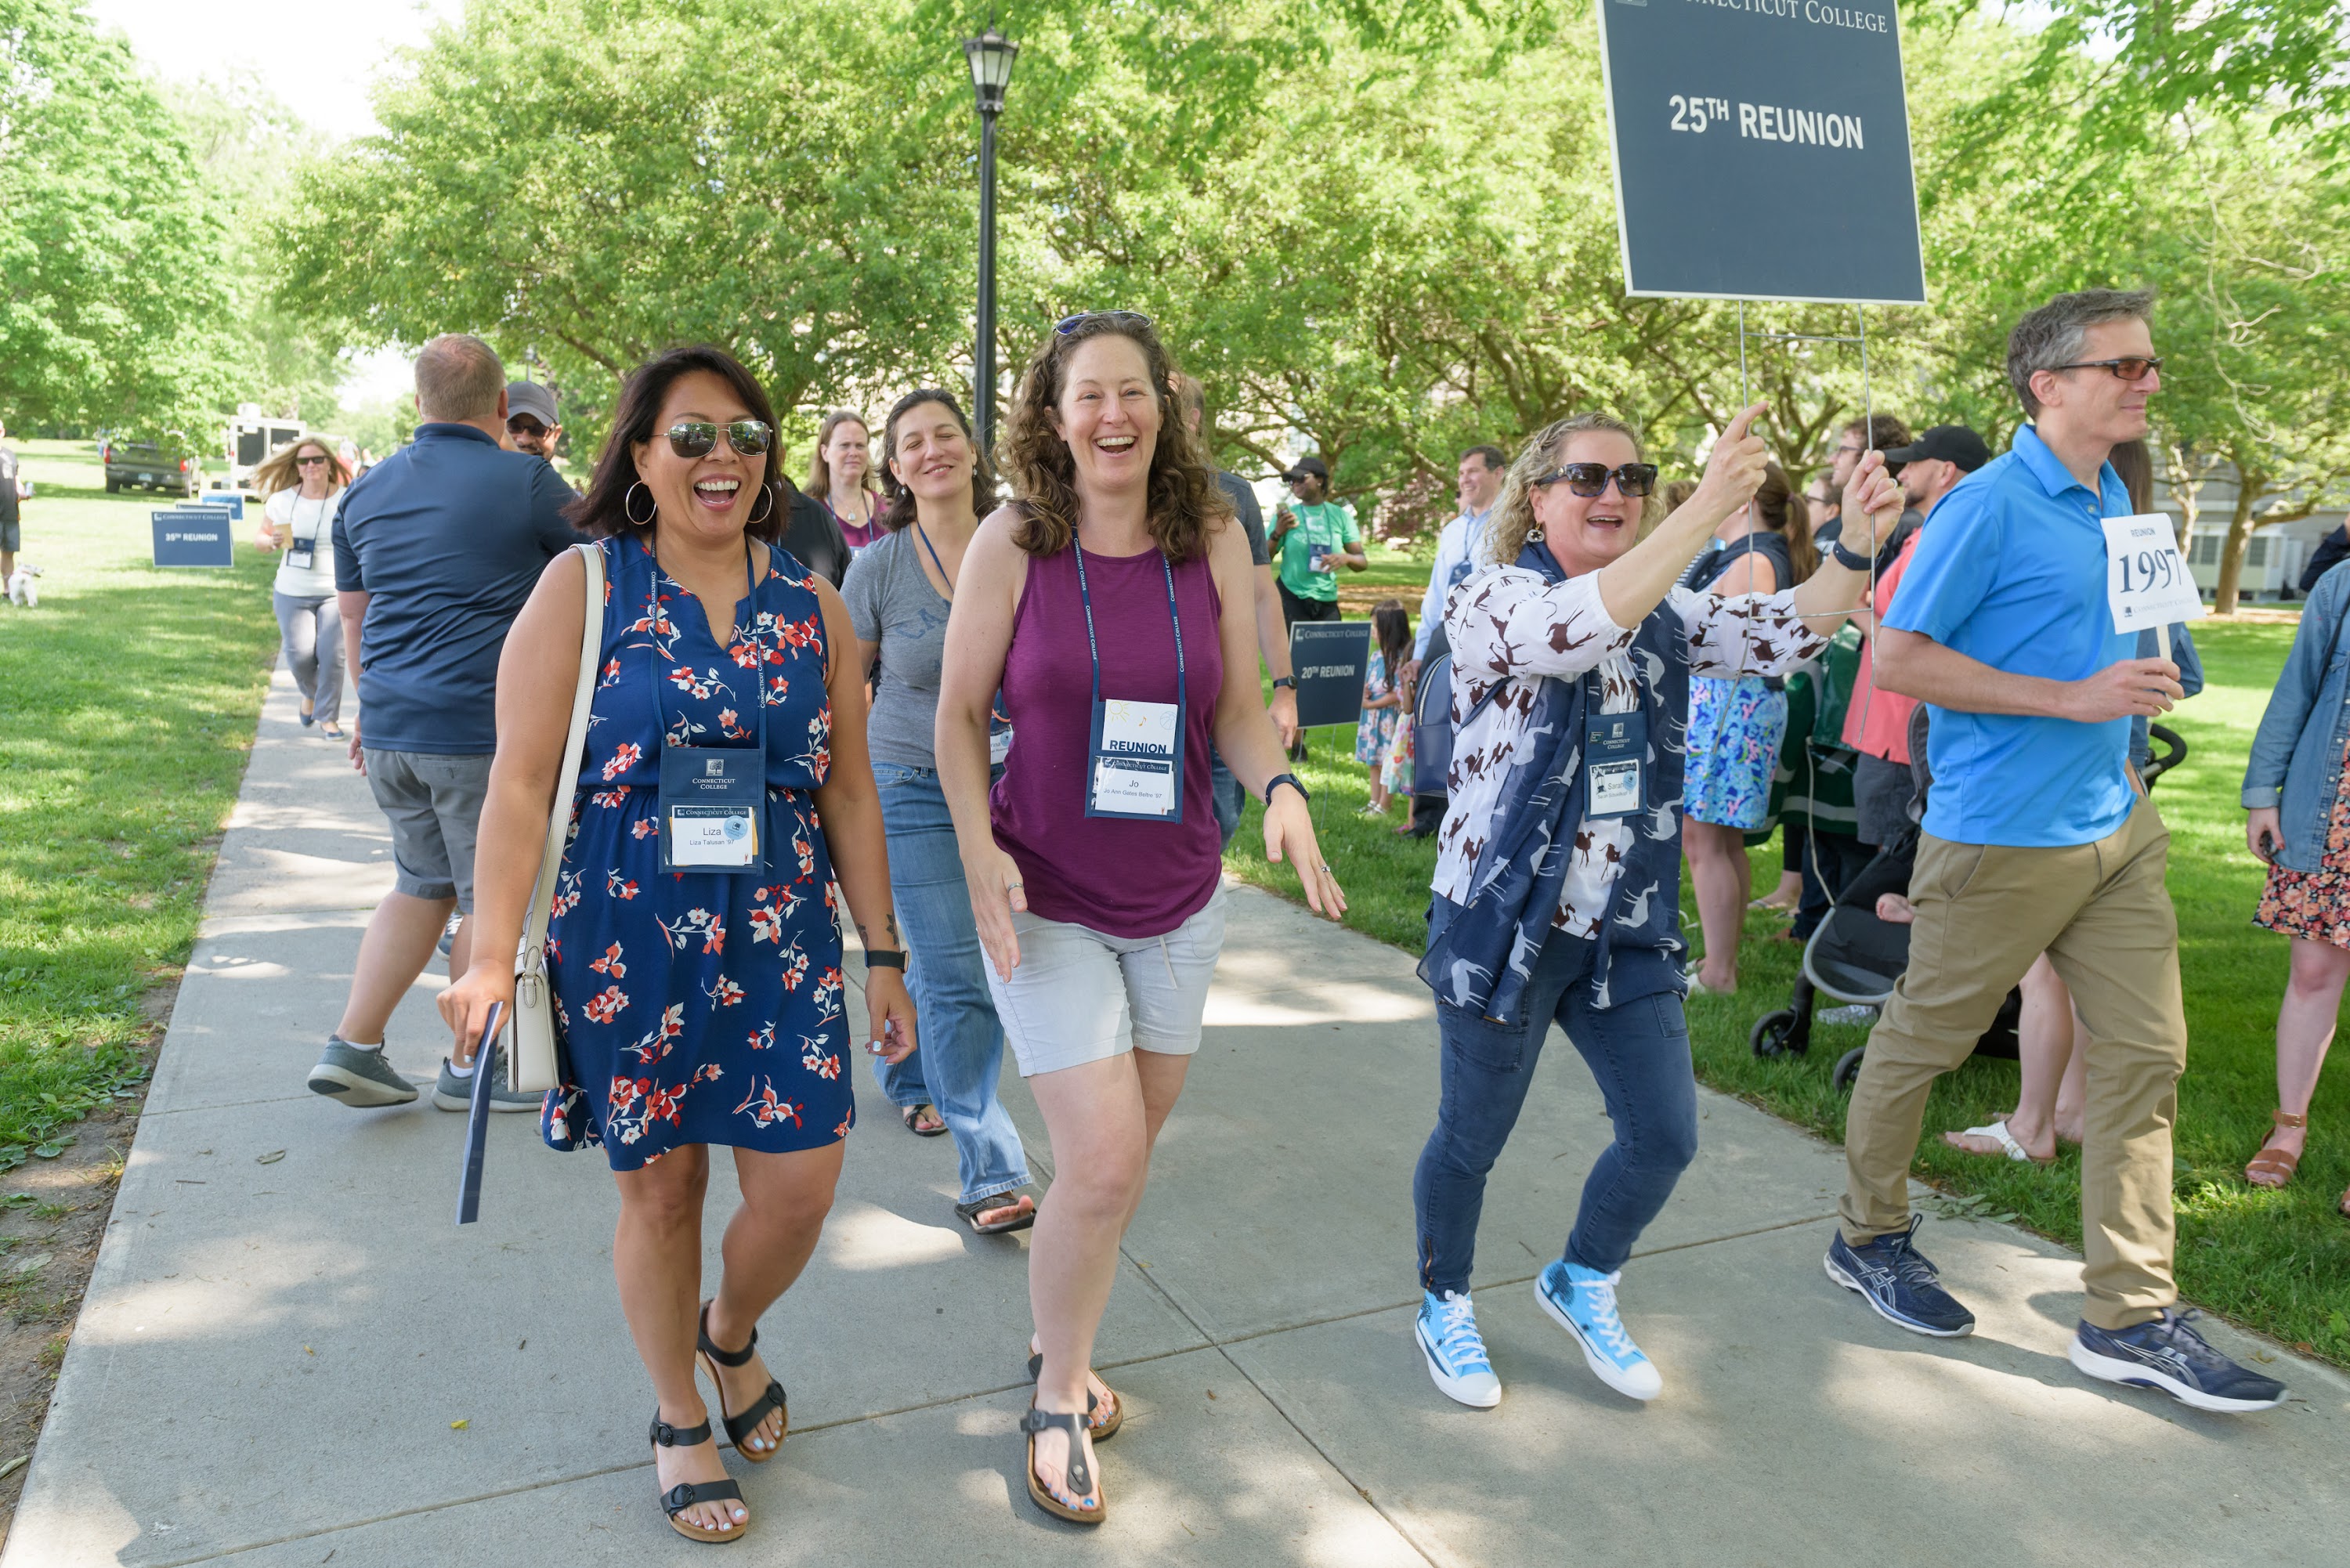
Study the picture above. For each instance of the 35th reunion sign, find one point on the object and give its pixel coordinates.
(1762, 149)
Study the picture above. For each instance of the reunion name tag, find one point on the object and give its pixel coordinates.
(1614, 764)
(712, 802)
(1136, 763)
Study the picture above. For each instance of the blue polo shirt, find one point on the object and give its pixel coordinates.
(447, 536)
(2013, 574)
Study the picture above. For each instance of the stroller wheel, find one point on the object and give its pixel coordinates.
(1847, 1069)
(1773, 1034)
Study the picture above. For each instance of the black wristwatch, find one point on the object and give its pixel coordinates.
(1847, 559)
(1291, 780)
(1281, 680)
(885, 958)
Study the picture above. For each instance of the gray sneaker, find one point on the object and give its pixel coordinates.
(452, 1093)
(359, 1076)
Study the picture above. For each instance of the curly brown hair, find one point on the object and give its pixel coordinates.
(1185, 504)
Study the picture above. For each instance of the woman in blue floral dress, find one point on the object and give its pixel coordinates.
(703, 1004)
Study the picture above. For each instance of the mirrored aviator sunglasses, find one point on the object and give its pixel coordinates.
(1068, 324)
(1633, 480)
(695, 438)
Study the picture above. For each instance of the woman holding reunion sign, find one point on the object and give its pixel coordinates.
(1095, 601)
(1558, 868)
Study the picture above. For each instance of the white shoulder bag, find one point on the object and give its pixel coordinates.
(529, 1032)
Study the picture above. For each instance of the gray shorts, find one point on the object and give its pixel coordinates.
(1881, 793)
(434, 805)
(1078, 996)
(12, 537)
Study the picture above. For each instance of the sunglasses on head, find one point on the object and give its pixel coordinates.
(1633, 480)
(1068, 324)
(695, 438)
(309, 462)
(2131, 368)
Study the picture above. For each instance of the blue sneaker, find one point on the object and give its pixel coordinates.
(1583, 1302)
(1900, 1281)
(2169, 1354)
(1454, 1350)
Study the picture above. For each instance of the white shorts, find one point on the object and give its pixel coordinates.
(1079, 996)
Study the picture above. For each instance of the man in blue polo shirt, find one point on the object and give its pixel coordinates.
(2038, 839)
(436, 548)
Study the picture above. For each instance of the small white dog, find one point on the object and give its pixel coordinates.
(23, 586)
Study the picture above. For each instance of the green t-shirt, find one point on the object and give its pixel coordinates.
(1330, 524)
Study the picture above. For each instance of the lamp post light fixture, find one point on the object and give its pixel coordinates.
(991, 56)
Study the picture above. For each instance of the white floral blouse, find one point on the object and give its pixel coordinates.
(1507, 621)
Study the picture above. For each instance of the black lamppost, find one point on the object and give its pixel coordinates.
(990, 70)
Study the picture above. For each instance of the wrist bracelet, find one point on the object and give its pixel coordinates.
(1280, 681)
(1847, 559)
(1277, 780)
(885, 958)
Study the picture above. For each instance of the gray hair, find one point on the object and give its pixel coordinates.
(2050, 336)
(459, 379)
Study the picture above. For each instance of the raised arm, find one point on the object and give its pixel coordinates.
(1633, 585)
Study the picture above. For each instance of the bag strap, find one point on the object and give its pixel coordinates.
(575, 745)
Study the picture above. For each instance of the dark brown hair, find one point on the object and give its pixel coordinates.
(1392, 627)
(1184, 502)
(603, 511)
(900, 508)
(2135, 466)
(1779, 507)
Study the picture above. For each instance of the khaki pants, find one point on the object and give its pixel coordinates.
(2101, 913)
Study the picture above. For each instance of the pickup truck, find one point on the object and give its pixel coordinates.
(141, 464)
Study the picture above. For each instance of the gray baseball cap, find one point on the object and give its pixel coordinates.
(531, 398)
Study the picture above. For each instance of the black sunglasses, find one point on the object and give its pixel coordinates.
(308, 461)
(522, 424)
(1633, 480)
(1068, 324)
(694, 438)
(2132, 368)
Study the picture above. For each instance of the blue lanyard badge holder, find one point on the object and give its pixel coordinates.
(1134, 760)
(301, 550)
(713, 799)
(1615, 759)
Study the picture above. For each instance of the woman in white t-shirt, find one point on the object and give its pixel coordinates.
(304, 485)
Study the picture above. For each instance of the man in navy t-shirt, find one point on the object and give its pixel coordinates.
(436, 548)
(2038, 839)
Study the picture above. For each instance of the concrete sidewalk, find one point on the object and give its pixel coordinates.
(271, 1355)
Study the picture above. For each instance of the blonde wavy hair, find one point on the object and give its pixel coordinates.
(1514, 515)
(277, 473)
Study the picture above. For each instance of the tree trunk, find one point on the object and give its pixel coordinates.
(2239, 540)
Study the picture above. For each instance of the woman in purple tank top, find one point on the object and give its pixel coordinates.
(1095, 602)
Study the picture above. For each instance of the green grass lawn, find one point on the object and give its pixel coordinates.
(2278, 1261)
(130, 702)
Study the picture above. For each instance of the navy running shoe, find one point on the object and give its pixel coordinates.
(1900, 1281)
(2167, 1353)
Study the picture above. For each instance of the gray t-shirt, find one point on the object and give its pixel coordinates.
(891, 602)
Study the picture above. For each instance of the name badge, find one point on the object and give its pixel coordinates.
(999, 746)
(1135, 766)
(1614, 760)
(712, 804)
(2146, 583)
(1317, 558)
(301, 551)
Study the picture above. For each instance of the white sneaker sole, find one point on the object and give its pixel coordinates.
(1643, 1389)
(2135, 1375)
(464, 1102)
(1471, 1391)
(356, 1088)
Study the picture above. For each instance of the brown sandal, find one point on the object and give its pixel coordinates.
(2273, 1168)
(1077, 1472)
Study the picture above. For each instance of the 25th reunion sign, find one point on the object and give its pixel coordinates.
(1762, 149)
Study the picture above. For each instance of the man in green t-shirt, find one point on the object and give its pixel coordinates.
(1313, 535)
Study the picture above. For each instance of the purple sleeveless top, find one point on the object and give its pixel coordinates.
(1121, 878)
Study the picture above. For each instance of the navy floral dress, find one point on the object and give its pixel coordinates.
(698, 1007)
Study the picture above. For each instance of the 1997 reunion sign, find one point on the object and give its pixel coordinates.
(1762, 149)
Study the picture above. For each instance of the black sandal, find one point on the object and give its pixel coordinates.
(907, 1113)
(1079, 1474)
(685, 1494)
(969, 1213)
(1103, 1429)
(741, 1426)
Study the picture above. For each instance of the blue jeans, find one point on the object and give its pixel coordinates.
(962, 1047)
(1638, 1051)
(1230, 797)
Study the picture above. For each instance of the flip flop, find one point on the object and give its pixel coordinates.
(969, 1213)
(1079, 1471)
(1997, 1132)
(908, 1114)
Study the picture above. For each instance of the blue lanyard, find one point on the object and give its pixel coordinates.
(1094, 648)
(941, 565)
(758, 671)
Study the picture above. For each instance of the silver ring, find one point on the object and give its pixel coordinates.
(1016, 884)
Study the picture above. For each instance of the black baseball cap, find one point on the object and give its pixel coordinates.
(1946, 443)
(1307, 467)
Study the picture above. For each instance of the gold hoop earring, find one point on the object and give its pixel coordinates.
(768, 491)
(629, 511)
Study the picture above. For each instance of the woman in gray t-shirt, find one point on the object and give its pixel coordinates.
(897, 591)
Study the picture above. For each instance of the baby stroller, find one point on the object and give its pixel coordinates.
(1854, 957)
